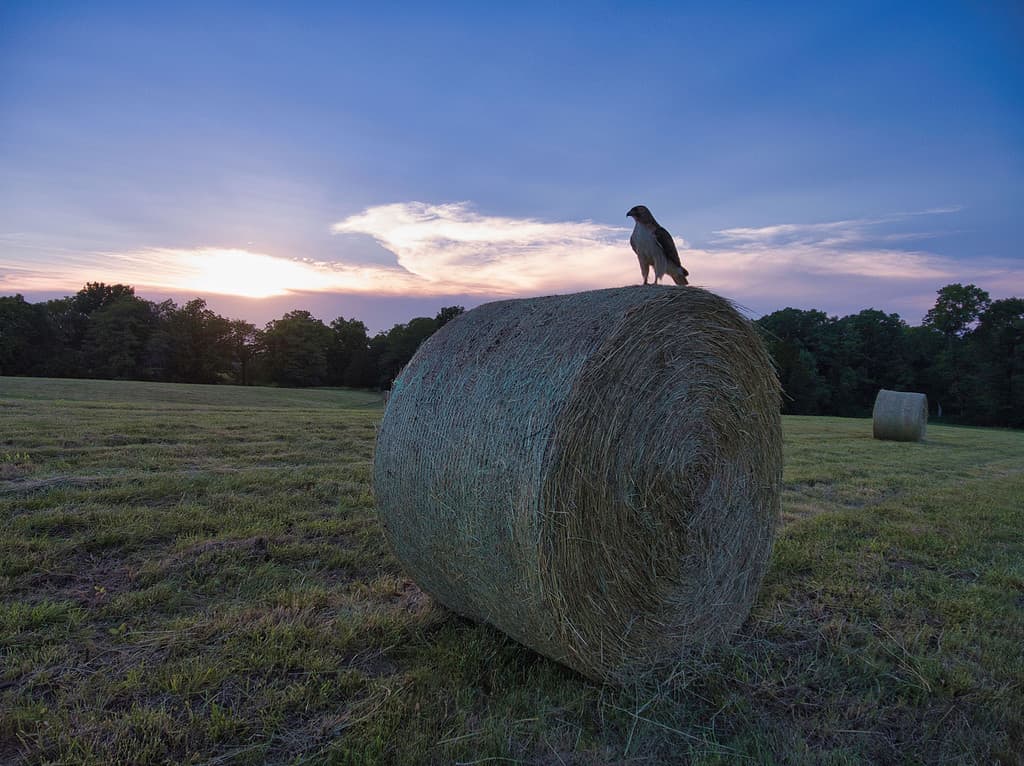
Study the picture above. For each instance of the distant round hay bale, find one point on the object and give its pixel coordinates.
(900, 416)
(595, 474)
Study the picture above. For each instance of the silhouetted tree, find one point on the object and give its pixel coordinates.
(158, 358)
(27, 337)
(400, 343)
(350, 342)
(200, 344)
(998, 346)
(956, 309)
(116, 337)
(70, 326)
(242, 340)
(447, 314)
(363, 371)
(96, 295)
(70, 318)
(799, 343)
(871, 354)
(296, 348)
(924, 348)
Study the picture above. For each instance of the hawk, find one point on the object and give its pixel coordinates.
(655, 247)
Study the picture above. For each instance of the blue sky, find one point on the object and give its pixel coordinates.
(384, 160)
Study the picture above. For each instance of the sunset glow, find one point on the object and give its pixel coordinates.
(453, 249)
(399, 156)
(237, 272)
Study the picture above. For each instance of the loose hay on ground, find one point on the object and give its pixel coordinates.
(595, 474)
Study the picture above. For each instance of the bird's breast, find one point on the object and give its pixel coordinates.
(644, 242)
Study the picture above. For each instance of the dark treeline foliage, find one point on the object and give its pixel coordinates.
(106, 331)
(967, 355)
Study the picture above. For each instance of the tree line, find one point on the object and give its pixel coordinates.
(967, 355)
(106, 331)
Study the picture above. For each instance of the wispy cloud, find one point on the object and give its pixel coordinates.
(226, 271)
(447, 249)
(853, 247)
(850, 233)
(847, 263)
(439, 250)
(454, 248)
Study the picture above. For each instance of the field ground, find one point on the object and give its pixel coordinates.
(195, 574)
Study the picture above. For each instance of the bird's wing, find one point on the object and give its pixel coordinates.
(668, 245)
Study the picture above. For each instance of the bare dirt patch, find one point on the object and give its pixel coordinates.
(90, 580)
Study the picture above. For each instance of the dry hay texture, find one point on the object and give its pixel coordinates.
(595, 474)
(900, 416)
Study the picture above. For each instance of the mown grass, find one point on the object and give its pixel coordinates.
(195, 574)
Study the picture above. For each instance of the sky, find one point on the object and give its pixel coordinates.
(382, 160)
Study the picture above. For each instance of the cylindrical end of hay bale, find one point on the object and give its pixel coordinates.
(900, 416)
(597, 474)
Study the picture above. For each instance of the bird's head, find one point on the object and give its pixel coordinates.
(640, 213)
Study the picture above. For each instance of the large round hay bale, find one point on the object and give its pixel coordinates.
(595, 474)
(900, 416)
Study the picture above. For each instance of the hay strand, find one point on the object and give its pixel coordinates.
(900, 416)
(595, 474)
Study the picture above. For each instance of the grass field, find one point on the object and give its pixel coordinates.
(195, 574)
